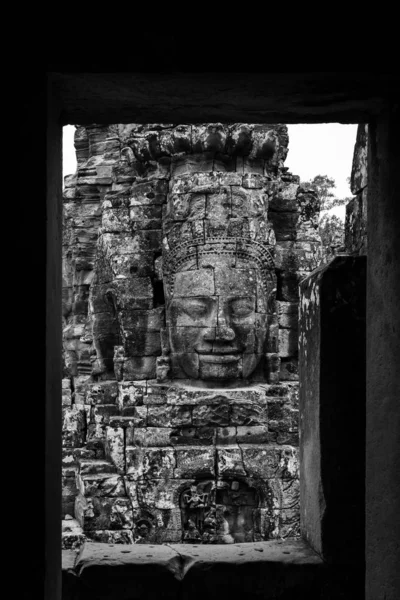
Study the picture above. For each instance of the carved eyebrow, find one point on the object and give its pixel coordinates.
(195, 306)
(195, 300)
(249, 299)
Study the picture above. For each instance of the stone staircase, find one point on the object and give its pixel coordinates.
(72, 535)
(95, 466)
(102, 507)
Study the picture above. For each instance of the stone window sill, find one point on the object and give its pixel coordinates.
(267, 570)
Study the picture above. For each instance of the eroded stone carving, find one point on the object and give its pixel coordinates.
(184, 246)
(219, 279)
(221, 512)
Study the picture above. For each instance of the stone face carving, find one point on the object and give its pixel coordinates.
(217, 337)
(218, 277)
(183, 249)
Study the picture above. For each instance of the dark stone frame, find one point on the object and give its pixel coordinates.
(360, 101)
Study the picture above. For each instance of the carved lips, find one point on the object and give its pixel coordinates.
(215, 336)
(220, 358)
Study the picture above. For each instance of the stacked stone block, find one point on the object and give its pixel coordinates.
(151, 445)
(356, 209)
(150, 460)
(97, 149)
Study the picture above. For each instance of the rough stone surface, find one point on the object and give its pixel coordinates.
(109, 570)
(183, 249)
(274, 569)
(383, 356)
(356, 224)
(72, 534)
(359, 171)
(356, 209)
(332, 351)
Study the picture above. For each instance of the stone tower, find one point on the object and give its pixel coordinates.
(184, 247)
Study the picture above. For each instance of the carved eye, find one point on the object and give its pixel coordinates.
(242, 307)
(195, 307)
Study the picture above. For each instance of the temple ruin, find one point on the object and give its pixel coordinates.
(164, 81)
(183, 250)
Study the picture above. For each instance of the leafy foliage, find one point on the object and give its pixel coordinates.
(324, 185)
(331, 227)
(331, 230)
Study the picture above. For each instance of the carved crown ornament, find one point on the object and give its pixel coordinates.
(255, 253)
(153, 142)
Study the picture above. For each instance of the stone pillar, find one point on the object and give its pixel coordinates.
(332, 410)
(52, 448)
(383, 361)
(356, 209)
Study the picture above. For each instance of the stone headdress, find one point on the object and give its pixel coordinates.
(184, 255)
(227, 225)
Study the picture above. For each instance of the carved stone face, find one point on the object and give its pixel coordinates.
(215, 329)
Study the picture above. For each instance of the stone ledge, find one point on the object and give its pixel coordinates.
(267, 570)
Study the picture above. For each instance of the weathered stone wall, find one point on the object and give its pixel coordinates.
(332, 346)
(356, 209)
(146, 458)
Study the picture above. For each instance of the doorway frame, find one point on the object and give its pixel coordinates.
(266, 98)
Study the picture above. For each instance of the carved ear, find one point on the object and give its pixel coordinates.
(163, 366)
(119, 356)
(127, 152)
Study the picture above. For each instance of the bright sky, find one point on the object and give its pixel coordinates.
(322, 149)
(69, 158)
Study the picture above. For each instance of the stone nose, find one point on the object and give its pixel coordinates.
(224, 333)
